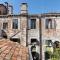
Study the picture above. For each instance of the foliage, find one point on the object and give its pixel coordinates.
(53, 56)
(47, 55)
(56, 54)
(53, 53)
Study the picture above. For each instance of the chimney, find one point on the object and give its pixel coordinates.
(6, 6)
(24, 7)
(10, 9)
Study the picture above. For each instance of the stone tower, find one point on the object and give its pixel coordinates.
(24, 9)
(23, 25)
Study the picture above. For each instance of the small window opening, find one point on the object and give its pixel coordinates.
(15, 40)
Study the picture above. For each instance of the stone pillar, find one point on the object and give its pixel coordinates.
(23, 24)
(23, 30)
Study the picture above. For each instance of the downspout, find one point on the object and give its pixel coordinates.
(40, 28)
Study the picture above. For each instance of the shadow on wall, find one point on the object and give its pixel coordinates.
(35, 55)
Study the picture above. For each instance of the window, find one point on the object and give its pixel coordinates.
(15, 23)
(15, 40)
(50, 24)
(34, 41)
(5, 25)
(48, 43)
(54, 24)
(33, 24)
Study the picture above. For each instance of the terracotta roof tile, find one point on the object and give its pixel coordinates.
(12, 51)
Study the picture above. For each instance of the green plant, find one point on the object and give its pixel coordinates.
(48, 55)
(56, 54)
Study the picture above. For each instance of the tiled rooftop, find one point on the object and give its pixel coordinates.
(12, 51)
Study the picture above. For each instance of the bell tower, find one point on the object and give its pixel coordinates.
(24, 8)
(23, 24)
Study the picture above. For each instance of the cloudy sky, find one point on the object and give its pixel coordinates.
(35, 6)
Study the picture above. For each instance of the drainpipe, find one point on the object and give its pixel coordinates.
(40, 28)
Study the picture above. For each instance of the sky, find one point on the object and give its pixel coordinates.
(35, 6)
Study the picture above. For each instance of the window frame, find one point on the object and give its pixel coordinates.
(33, 23)
(50, 24)
(5, 26)
(15, 24)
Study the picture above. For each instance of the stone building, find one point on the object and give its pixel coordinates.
(34, 31)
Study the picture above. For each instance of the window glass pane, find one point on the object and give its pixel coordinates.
(54, 24)
(33, 23)
(5, 25)
(15, 23)
(48, 23)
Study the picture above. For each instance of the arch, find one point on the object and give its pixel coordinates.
(34, 41)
